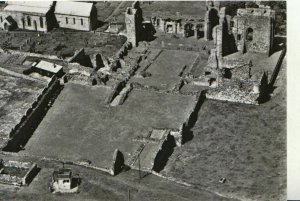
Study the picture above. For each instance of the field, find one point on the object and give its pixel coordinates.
(165, 70)
(79, 126)
(16, 97)
(244, 144)
(171, 7)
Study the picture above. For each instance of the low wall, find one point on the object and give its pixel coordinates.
(47, 56)
(30, 168)
(15, 74)
(171, 46)
(116, 90)
(233, 95)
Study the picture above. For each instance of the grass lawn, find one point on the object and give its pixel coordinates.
(242, 143)
(166, 68)
(96, 185)
(80, 126)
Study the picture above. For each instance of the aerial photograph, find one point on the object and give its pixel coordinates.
(143, 100)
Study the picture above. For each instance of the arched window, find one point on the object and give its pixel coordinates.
(67, 20)
(41, 22)
(28, 21)
(249, 36)
(81, 21)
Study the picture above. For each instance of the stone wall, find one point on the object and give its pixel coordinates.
(20, 134)
(30, 168)
(26, 54)
(254, 29)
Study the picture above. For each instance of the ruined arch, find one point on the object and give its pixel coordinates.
(249, 34)
(188, 29)
(212, 21)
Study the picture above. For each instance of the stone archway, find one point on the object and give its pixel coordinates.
(248, 38)
(249, 34)
(212, 20)
(188, 29)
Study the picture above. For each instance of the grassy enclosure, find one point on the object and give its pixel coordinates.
(242, 143)
(165, 70)
(80, 126)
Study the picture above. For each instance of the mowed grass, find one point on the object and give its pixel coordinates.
(80, 126)
(166, 68)
(244, 144)
(97, 185)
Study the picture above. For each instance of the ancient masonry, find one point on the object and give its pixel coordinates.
(253, 29)
(133, 21)
(17, 173)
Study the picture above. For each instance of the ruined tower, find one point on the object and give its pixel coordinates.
(254, 29)
(131, 26)
(211, 18)
(133, 21)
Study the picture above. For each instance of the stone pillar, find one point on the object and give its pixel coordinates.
(195, 31)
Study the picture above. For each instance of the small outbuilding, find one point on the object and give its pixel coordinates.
(76, 15)
(62, 178)
(64, 182)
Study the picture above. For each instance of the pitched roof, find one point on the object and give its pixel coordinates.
(73, 8)
(47, 66)
(38, 7)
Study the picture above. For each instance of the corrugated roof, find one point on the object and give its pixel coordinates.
(73, 8)
(47, 66)
(29, 6)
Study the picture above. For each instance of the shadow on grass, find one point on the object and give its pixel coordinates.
(187, 133)
(164, 153)
(269, 87)
(33, 175)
